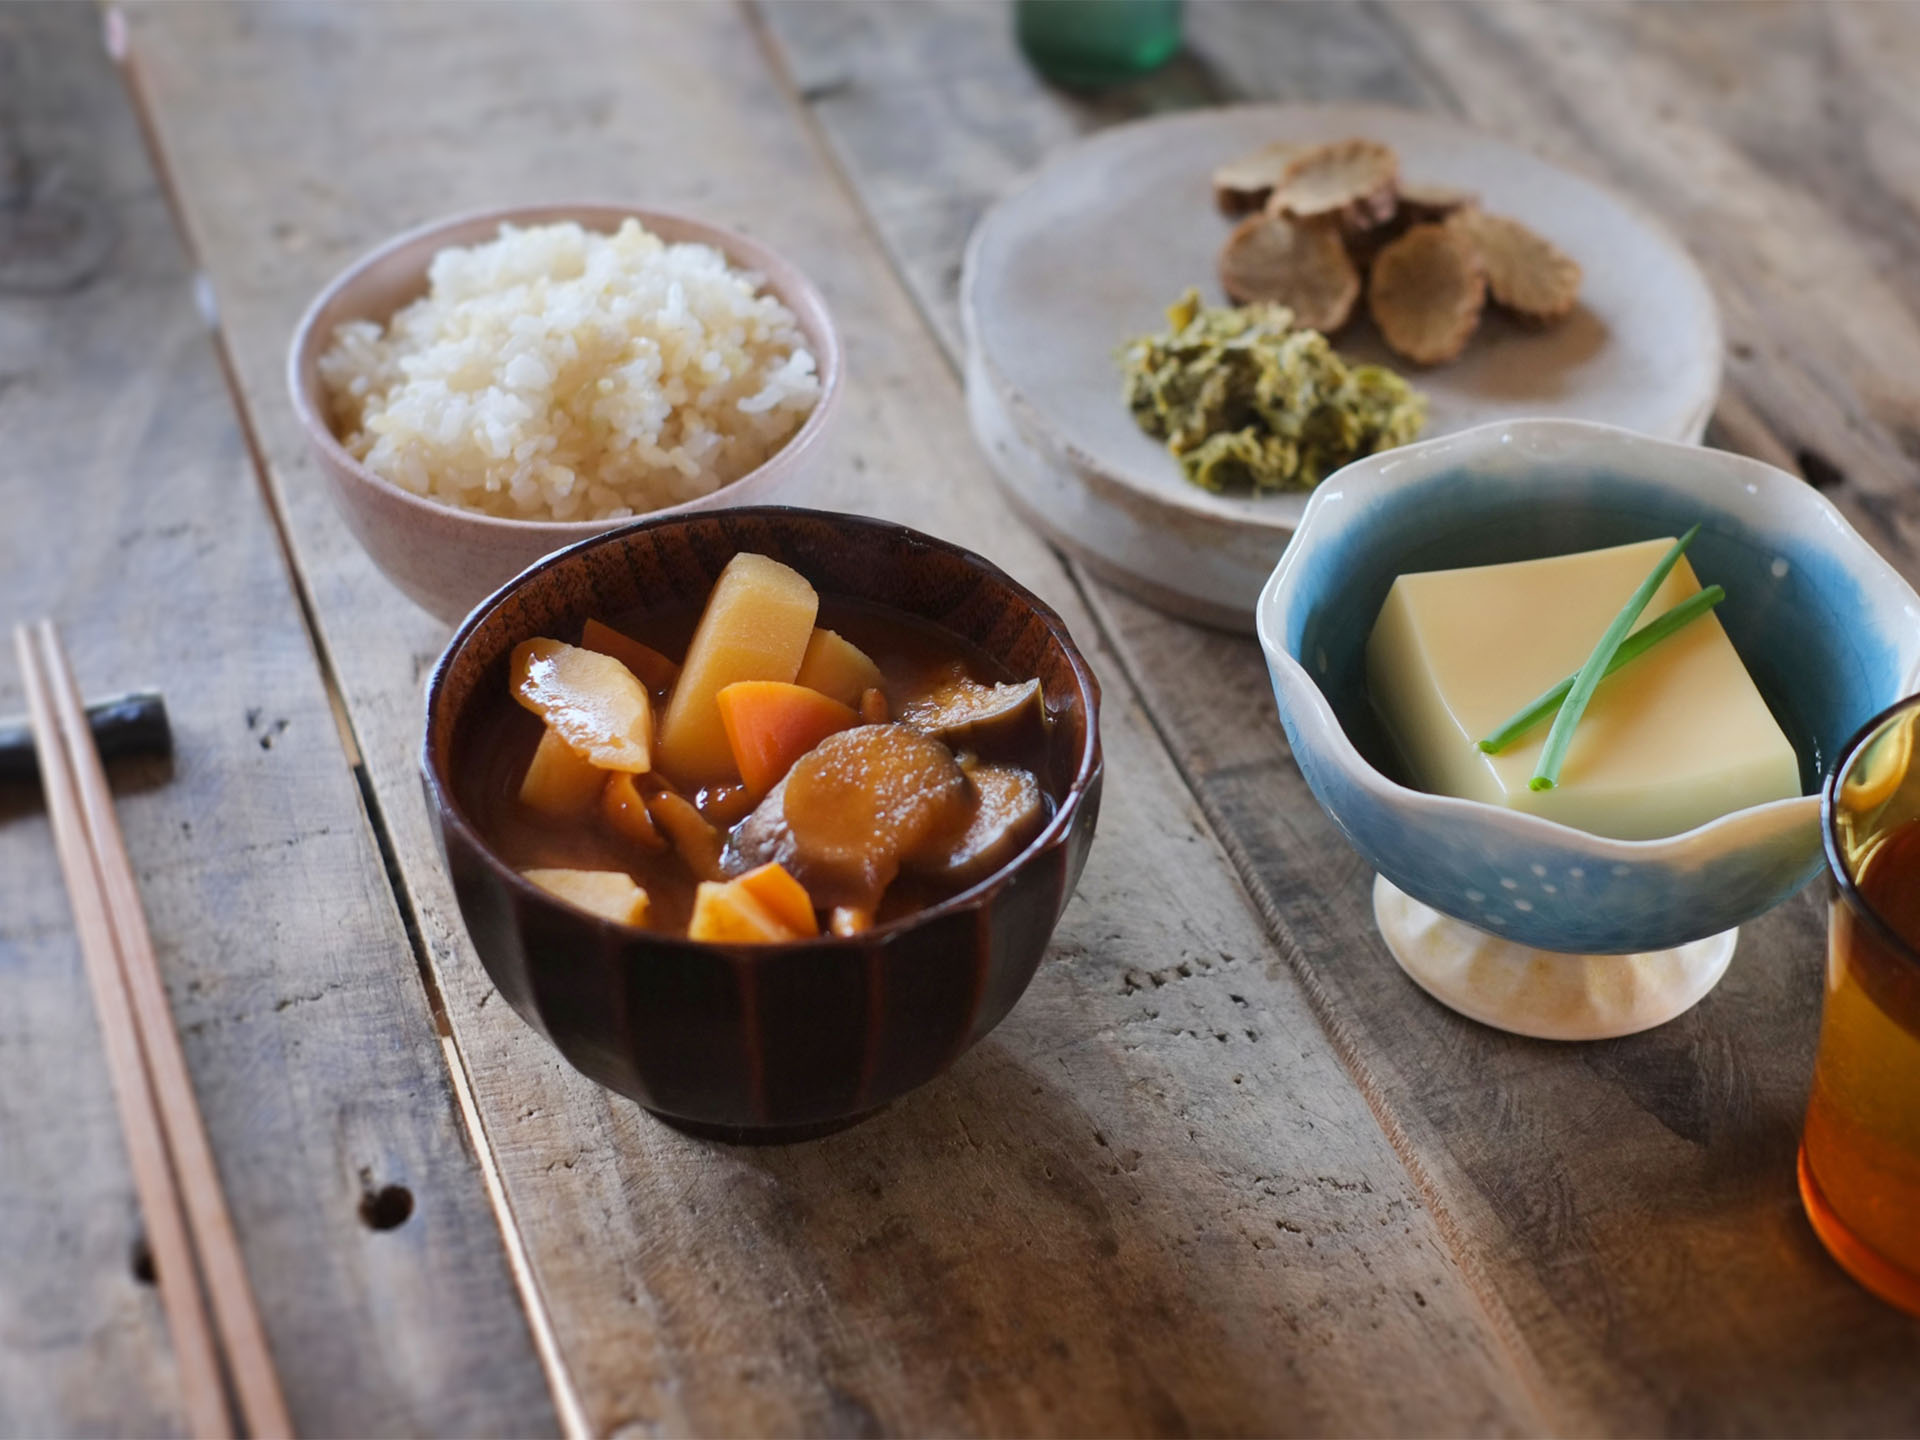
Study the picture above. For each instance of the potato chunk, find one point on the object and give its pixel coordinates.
(838, 668)
(852, 808)
(728, 914)
(560, 781)
(592, 700)
(610, 894)
(756, 626)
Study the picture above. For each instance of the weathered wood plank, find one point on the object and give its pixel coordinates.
(1631, 1203)
(133, 517)
(1152, 1201)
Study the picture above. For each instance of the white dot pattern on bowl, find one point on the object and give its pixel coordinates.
(1506, 884)
(1779, 569)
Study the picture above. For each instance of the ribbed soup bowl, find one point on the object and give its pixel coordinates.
(765, 1041)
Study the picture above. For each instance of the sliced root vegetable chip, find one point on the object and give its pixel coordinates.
(1421, 203)
(1526, 272)
(1353, 179)
(1426, 291)
(1242, 186)
(1301, 264)
(591, 700)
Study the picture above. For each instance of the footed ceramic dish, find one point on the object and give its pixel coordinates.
(1523, 923)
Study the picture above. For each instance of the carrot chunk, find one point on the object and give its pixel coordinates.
(770, 725)
(649, 666)
(784, 897)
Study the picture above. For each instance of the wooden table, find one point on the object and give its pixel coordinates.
(1223, 1169)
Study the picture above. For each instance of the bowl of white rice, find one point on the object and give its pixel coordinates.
(483, 391)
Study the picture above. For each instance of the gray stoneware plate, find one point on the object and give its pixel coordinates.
(1091, 248)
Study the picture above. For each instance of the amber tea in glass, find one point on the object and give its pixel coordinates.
(1860, 1155)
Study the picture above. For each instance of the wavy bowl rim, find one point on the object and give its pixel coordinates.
(829, 366)
(1089, 766)
(1702, 842)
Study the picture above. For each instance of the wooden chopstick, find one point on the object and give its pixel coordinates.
(174, 1270)
(181, 1129)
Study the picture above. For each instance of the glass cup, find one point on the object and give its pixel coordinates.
(1860, 1154)
(1090, 44)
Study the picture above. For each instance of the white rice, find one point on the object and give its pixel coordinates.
(560, 374)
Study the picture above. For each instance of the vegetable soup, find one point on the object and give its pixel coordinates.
(775, 765)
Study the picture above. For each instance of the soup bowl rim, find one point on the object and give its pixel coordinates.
(1088, 763)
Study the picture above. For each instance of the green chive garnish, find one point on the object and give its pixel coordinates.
(1631, 648)
(1547, 773)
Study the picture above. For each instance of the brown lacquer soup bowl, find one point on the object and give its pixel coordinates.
(770, 1041)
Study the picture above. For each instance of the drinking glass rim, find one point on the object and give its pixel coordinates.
(1894, 942)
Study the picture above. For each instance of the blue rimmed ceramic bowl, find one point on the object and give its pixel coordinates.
(1829, 631)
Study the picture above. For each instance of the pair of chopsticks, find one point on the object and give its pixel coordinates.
(173, 1169)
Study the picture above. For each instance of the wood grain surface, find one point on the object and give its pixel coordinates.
(133, 517)
(1223, 1169)
(1631, 1204)
(1153, 1201)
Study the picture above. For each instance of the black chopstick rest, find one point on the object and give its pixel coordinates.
(131, 724)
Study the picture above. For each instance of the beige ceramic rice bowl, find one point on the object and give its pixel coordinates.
(478, 398)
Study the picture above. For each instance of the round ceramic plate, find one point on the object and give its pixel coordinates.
(1091, 249)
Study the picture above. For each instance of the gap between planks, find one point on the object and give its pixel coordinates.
(566, 1396)
(1499, 1318)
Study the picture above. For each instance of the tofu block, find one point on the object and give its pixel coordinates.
(610, 894)
(756, 626)
(1670, 741)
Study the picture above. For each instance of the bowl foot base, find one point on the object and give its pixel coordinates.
(1544, 993)
(763, 1134)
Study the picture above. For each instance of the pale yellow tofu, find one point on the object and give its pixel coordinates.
(756, 626)
(611, 894)
(1670, 741)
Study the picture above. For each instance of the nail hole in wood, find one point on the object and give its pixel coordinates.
(140, 1260)
(386, 1208)
(1821, 472)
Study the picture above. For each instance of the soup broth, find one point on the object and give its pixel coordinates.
(914, 658)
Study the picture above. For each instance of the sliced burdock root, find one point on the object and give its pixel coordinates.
(1297, 263)
(1350, 180)
(1426, 291)
(1526, 272)
(1008, 812)
(1242, 186)
(991, 720)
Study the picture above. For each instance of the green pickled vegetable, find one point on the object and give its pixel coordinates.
(1245, 401)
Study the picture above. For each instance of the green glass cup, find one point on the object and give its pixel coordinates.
(1091, 44)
